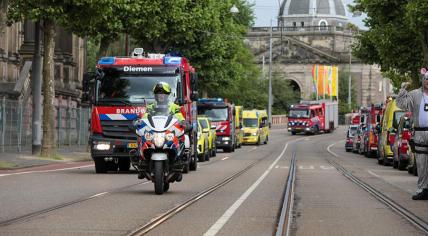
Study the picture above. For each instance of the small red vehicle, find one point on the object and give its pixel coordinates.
(401, 147)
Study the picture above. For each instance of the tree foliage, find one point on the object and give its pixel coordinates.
(397, 38)
(50, 12)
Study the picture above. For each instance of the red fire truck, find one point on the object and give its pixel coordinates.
(222, 115)
(313, 117)
(119, 92)
(373, 117)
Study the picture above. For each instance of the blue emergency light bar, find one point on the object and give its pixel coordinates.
(172, 60)
(107, 61)
(206, 100)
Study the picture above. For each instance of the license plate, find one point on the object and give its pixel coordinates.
(132, 145)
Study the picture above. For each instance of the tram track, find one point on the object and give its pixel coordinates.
(396, 207)
(155, 222)
(63, 205)
(283, 227)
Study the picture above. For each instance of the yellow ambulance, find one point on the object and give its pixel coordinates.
(256, 128)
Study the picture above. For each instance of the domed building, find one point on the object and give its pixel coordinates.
(307, 13)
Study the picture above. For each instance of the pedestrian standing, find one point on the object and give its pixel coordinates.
(416, 101)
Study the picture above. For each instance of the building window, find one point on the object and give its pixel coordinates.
(323, 25)
(294, 24)
(302, 24)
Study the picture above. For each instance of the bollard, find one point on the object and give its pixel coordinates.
(20, 110)
(3, 123)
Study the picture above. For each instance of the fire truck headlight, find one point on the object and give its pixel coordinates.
(103, 146)
(289, 123)
(226, 138)
(254, 134)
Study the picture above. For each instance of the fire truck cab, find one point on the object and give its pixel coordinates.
(222, 115)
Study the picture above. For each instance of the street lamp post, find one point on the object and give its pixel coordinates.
(354, 14)
(350, 76)
(270, 76)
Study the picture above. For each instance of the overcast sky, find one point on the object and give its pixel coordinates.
(265, 10)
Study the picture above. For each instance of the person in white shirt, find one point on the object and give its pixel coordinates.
(416, 101)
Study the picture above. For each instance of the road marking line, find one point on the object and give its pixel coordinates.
(98, 195)
(306, 167)
(216, 227)
(225, 158)
(252, 149)
(327, 167)
(375, 175)
(45, 171)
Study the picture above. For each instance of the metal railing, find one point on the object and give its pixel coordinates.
(71, 126)
(279, 120)
(301, 29)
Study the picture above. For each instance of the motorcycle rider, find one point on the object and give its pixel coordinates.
(161, 91)
(416, 101)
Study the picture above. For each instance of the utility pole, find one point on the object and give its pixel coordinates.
(270, 76)
(36, 87)
(350, 76)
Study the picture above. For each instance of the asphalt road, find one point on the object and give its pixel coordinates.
(326, 203)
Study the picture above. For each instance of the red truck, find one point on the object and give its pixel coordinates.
(222, 115)
(119, 92)
(313, 117)
(371, 120)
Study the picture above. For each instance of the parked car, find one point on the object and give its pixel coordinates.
(400, 147)
(202, 147)
(211, 133)
(387, 132)
(352, 130)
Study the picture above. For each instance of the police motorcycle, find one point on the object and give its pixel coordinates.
(161, 146)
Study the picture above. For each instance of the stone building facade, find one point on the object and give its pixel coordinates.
(297, 47)
(16, 54)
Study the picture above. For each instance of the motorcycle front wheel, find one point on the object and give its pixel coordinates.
(158, 174)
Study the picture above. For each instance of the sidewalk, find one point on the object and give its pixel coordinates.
(17, 160)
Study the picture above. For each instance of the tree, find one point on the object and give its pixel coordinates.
(284, 94)
(49, 12)
(343, 93)
(103, 21)
(397, 38)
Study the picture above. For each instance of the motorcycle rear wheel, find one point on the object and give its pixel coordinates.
(159, 180)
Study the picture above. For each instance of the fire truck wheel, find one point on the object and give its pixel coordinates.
(100, 165)
(293, 133)
(112, 166)
(379, 161)
(193, 165)
(266, 140)
(124, 164)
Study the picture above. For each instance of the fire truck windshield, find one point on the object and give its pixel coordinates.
(216, 114)
(299, 113)
(133, 88)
